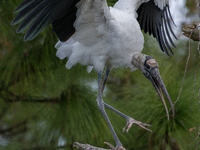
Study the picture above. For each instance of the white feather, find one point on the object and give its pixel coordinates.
(161, 3)
(105, 36)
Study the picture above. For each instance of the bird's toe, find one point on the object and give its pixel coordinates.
(114, 148)
(132, 121)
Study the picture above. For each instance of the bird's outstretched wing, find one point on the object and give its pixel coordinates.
(154, 17)
(90, 43)
(40, 13)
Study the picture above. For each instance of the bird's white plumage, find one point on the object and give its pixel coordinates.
(105, 36)
(129, 6)
(161, 3)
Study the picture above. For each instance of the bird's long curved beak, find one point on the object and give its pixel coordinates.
(159, 86)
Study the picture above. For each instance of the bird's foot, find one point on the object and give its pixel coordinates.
(89, 147)
(86, 147)
(114, 148)
(131, 121)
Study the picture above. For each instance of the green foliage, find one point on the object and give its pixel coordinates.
(45, 106)
(111, 2)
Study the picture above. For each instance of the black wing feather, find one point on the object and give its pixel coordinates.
(38, 14)
(25, 11)
(29, 15)
(23, 5)
(157, 22)
(63, 27)
(39, 24)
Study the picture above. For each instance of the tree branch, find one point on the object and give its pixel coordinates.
(189, 28)
(18, 125)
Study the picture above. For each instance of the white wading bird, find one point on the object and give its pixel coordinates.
(93, 34)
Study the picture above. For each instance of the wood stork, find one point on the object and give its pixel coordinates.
(93, 34)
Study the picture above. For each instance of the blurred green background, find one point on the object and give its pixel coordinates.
(44, 106)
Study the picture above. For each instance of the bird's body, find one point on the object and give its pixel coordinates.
(108, 37)
(93, 34)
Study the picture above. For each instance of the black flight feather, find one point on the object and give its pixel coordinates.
(38, 14)
(157, 22)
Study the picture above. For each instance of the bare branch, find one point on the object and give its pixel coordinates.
(4, 131)
(186, 65)
(191, 28)
(19, 98)
(198, 6)
(192, 94)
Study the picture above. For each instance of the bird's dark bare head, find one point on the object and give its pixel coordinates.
(150, 64)
(149, 67)
(144, 62)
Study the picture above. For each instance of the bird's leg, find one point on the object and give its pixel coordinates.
(129, 120)
(105, 79)
(100, 104)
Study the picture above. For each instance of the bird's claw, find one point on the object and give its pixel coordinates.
(114, 148)
(132, 121)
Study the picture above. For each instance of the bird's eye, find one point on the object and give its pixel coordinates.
(147, 66)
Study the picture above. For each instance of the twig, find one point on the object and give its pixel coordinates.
(197, 145)
(184, 126)
(194, 81)
(185, 66)
(197, 138)
(184, 73)
(198, 6)
(198, 97)
(193, 93)
(199, 42)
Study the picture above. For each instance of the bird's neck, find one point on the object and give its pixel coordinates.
(138, 60)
